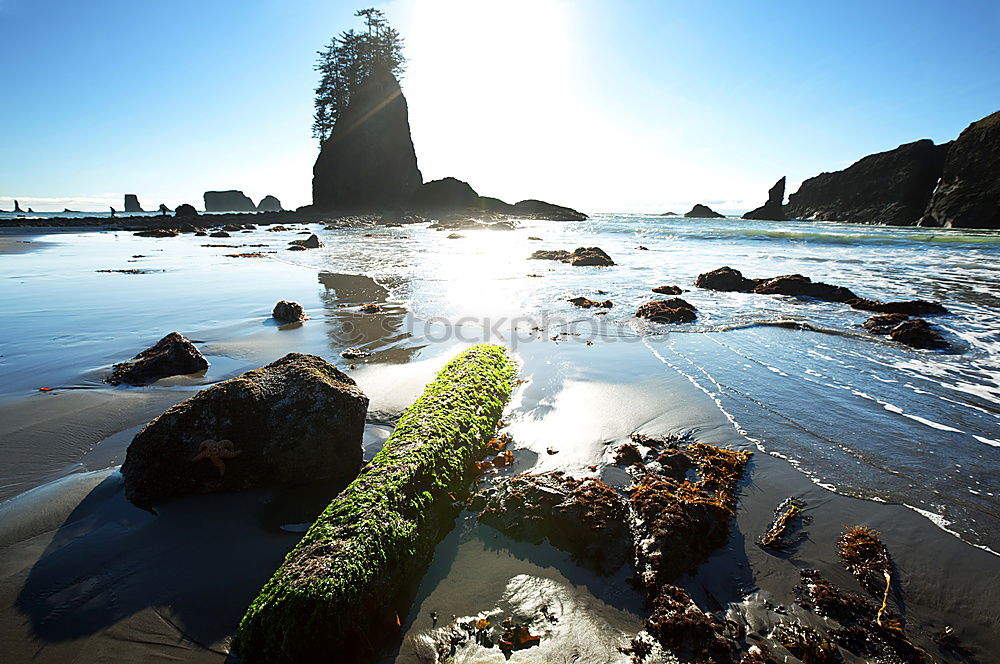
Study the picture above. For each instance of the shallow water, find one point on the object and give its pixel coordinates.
(852, 412)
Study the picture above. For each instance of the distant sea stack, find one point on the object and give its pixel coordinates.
(132, 203)
(17, 207)
(969, 193)
(453, 196)
(771, 210)
(230, 200)
(368, 163)
(269, 204)
(891, 188)
(700, 211)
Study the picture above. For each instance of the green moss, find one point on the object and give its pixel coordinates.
(344, 587)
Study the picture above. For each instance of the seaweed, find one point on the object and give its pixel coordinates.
(680, 626)
(784, 531)
(863, 554)
(342, 588)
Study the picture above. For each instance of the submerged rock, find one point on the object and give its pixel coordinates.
(157, 232)
(173, 355)
(905, 307)
(587, 303)
(700, 211)
(219, 234)
(584, 517)
(968, 195)
(231, 200)
(797, 285)
(917, 333)
(296, 420)
(883, 324)
(288, 312)
(368, 162)
(772, 209)
(311, 242)
(674, 310)
(668, 290)
(581, 256)
(891, 187)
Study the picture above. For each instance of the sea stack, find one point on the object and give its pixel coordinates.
(17, 207)
(771, 210)
(368, 163)
(231, 200)
(132, 203)
(891, 187)
(700, 211)
(269, 204)
(969, 193)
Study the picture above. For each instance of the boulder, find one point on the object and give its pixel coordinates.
(667, 290)
(173, 355)
(674, 310)
(132, 203)
(771, 210)
(368, 162)
(185, 210)
(891, 187)
(581, 256)
(158, 232)
(296, 420)
(587, 303)
(584, 517)
(269, 204)
(536, 209)
(883, 324)
(968, 195)
(448, 194)
(311, 242)
(230, 200)
(288, 312)
(700, 211)
(797, 285)
(917, 333)
(220, 234)
(906, 307)
(724, 279)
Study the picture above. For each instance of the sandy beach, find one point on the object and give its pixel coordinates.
(87, 576)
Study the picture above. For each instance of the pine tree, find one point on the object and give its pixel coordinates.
(349, 59)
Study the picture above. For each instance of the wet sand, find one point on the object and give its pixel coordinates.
(86, 577)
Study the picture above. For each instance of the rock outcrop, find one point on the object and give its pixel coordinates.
(548, 211)
(17, 207)
(185, 210)
(674, 310)
(368, 163)
(451, 195)
(311, 242)
(269, 204)
(700, 211)
(296, 420)
(132, 203)
(892, 187)
(288, 312)
(230, 200)
(581, 256)
(968, 195)
(173, 355)
(771, 210)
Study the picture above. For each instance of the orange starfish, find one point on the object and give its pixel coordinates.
(217, 451)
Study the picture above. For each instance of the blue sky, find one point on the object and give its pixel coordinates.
(630, 105)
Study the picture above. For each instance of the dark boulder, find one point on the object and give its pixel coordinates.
(158, 232)
(173, 355)
(724, 279)
(891, 187)
(670, 214)
(674, 310)
(541, 210)
(185, 210)
(797, 285)
(969, 193)
(368, 162)
(552, 255)
(772, 209)
(917, 333)
(269, 204)
(230, 200)
(583, 517)
(132, 203)
(448, 194)
(581, 256)
(668, 290)
(296, 420)
(311, 242)
(587, 303)
(288, 312)
(884, 323)
(907, 307)
(700, 211)
(220, 234)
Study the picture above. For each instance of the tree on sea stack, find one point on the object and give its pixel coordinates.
(348, 60)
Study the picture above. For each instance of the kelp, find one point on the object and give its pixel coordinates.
(341, 590)
(784, 530)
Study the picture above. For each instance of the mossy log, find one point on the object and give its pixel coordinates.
(343, 589)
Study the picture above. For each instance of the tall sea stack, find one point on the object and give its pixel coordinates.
(969, 193)
(771, 210)
(132, 203)
(368, 163)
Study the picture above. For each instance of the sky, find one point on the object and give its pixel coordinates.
(625, 105)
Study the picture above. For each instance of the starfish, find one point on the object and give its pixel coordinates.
(217, 451)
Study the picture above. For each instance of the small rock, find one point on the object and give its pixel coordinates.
(668, 290)
(917, 333)
(158, 232)
(455, 236)
(173, 355)
(724, 279)
(220, 234)
(370, 308)
(883, 324)
(311, 242)
(587, 303)
(674, 310)
(288, 312)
